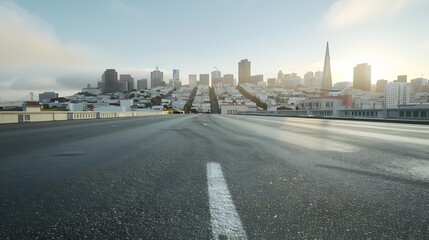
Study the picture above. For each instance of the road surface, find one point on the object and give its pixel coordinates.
(212, 176)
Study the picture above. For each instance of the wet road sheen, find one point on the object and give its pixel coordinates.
(214, 177)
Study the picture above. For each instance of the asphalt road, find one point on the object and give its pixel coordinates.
(211, 176)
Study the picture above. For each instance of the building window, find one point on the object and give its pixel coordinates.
(423, 114)
(401, 113)
(415, 113)
(408, 113)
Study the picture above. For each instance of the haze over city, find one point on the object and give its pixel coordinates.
(62, 46)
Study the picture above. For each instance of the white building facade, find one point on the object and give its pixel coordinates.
(396, 94)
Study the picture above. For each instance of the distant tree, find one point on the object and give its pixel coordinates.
(252, 98)
(60, 99)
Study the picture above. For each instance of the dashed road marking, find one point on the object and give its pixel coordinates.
(226, 223)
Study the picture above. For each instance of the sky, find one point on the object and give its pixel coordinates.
(61, 46)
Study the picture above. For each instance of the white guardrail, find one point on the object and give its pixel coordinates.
(22, 117)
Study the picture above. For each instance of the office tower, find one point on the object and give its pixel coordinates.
(309, 80)
(217, 82)
(244, 75)
(110, 81)
(228, 79)
(122, 86)
(396, 93)
(280, 75)
(327, 78)
(271, 82)
(402, 78)
(47, 96)
(192, 80)
(176, 74)
(142, 84)
(362, 77)
(156, 78)
(130, 81)
(216, 74)
(204, 79)
(217, 79)
(418, 84)
(379, 87)
(257, 78)
(101, 85)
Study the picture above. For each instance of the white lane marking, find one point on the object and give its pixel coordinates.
(224, 218)
(205, 124)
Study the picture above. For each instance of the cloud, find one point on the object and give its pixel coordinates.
(32, 55)
(345, 13)
(124, 9)
(28, 41)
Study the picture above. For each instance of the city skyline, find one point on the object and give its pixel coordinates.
(76, 51)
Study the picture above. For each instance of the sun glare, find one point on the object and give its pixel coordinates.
(344, 68)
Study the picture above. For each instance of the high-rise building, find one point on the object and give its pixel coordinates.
(401, 78)
(309, 80)
(418, 83)
(192, 80)
(110, 81)
(47, 96)
(204, 79)
(362, 77)
(228, 79)
(216, 78)
(396, 93)
(216, 74)
(257, 78)
(244, 75)
(142, 84)
(271, 82)
(176, 74)
(379, 87)
(156, 78)
(280, 75)
(327, 77)
(130, 81)
(122, 86)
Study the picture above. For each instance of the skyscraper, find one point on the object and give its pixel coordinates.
(156, 78)
(130, 81)
(216, 78)
(216, 74)
(176, 74)
(362, 77)
(244, 75)
(327, 77)
(110, 81)
(396, 93)
(141, 84)
(280, 75)
(380, 85)
(228, 79)
(192, 80)
(402, 78)
(204, 80)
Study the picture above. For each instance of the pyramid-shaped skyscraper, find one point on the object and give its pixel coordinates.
(327, 78)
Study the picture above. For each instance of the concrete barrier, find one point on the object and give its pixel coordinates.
(9, 117)
(22, 117)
